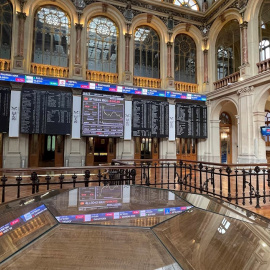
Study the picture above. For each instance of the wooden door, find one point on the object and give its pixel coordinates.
(34, 148)
(225, 144)
(137, 146)
(59, 151)
(111, 150)
(155, 148)
(90, 150)
(1, 150)
(186, 149)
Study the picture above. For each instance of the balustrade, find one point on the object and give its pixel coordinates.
(186, 87)
(263, 65)
(233, 78)
(47, 70)
(99, 76)
(4, 65)
(146, 82)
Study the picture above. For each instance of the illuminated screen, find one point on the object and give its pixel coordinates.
(100, 197)
(102, 115)
(122, 215)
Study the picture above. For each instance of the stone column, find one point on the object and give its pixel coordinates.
(20, 46)
(214, 137)
(170, 80)
(78, 66)
(243, 28)
(205, 54)
(128, 75)
(246, 153)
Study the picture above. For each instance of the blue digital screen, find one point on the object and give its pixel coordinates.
(33, 79)
(122, 215)
(265, 131)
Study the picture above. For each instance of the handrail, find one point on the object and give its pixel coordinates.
(232, 78)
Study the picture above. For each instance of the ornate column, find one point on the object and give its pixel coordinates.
(78, 66)
(170, 80)
(244, 69)
(246, 151)
(205, 54)
(20, 46)
(128, 77)
(243, 28)
(127, 54)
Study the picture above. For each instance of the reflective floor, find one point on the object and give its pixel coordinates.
(130, 227)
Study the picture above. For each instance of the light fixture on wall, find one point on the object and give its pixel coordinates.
(143, 140)
(224, 135)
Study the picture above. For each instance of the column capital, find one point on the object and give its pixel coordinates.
(127, 36)
(205, 51)
(171, 101)
(78, 26)
(16, 86)
(169, 44)
(244, 24)
(248, 90)
(76, 92)
(128, 97)
(21, 15)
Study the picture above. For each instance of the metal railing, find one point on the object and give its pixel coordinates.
(236, 183)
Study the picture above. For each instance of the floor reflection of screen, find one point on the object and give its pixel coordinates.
(22, 219)
(122, 215)
(100, 197)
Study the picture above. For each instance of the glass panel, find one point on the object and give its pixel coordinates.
(147, 52)
(51, 36)
(177, 146)
(187, 3)
(102, 45)
(19, 227)
(185, 59)
(128, 205)
(5, 29)
(188, 146)
(213, 235)
(228, 52)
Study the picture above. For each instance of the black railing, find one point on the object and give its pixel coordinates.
(239, 184)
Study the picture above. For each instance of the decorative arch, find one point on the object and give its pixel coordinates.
(261, 98)
(6, 23)
(264, 34)
(51, 36)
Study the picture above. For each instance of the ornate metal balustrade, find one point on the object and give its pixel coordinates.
(146, 82)
(263, 65)
(98, 76)
(233, 78)
(4, 65)
(186, 87)
(239, 183)
(47, 70)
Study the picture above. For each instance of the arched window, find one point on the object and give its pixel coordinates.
(184, 59)
(5, 28)
(187, 3)
(102, 45)
(264, 28)
(51, 36)
(228, 50)
(225, 119)
(147, 52)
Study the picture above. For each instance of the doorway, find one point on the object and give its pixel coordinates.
(225, 138)
(46, 150)
(100, 150)
(186, 149)
(146, 148)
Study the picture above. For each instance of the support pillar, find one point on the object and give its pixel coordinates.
(244, 69)
(170, 79)
(78, 65)
(128, 74)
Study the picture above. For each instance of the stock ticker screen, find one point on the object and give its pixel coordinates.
(102, 115)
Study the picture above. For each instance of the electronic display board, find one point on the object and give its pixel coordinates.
(46, 112)
(100, 197)
(102, 115)
(122, 215)
(40, 80)
(150, 118)
(191, 121)
(4, 108)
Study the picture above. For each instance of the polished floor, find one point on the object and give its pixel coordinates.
(130, 227)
